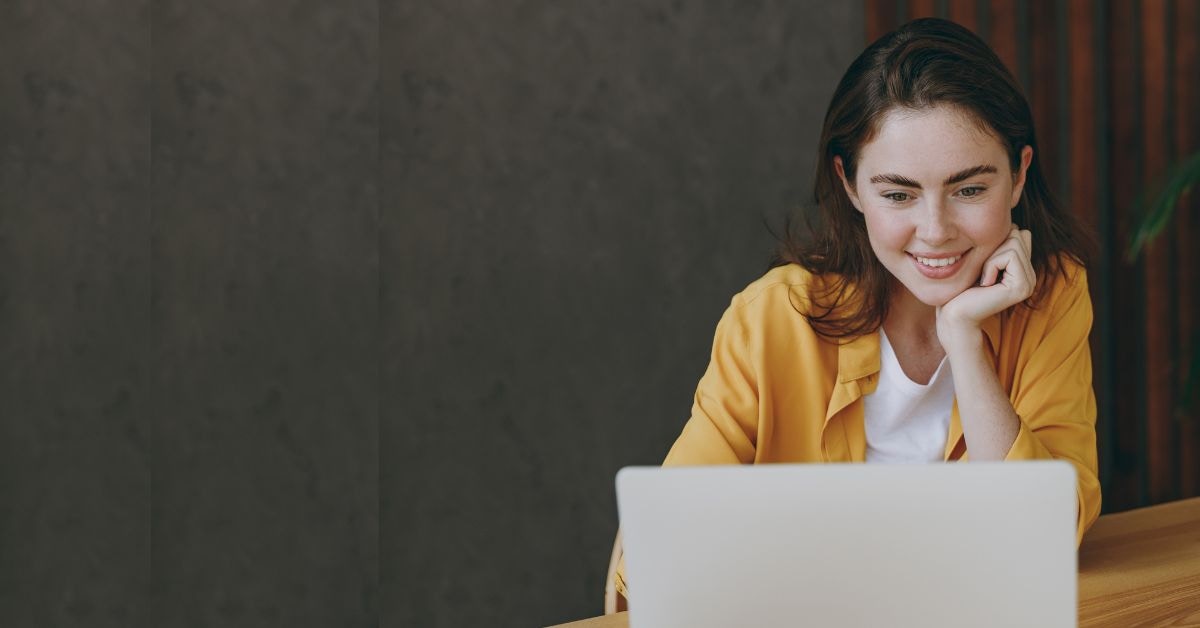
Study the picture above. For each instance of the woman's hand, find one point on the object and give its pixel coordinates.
(1007, 279)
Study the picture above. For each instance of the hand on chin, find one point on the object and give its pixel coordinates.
(1007, 278)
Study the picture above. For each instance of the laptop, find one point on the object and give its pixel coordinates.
(960, 544)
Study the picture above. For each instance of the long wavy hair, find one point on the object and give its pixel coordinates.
(924, 63)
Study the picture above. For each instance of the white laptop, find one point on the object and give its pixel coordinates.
(959, 544)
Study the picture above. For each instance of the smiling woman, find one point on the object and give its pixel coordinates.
(939, 311)
(937, 220)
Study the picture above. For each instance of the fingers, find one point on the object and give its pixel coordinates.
(992, 267)
(1023, 238)
(990, 272)
(1013, 258)
(1026, 240)
(1018, 275)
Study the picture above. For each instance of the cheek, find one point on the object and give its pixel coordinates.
(991, 229)
(886, 232)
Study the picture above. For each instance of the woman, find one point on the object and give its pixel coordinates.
(939, 312)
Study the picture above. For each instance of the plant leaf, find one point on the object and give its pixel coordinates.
(1154, 218)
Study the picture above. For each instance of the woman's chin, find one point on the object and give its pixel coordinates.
(936, 302)
(935, 298)
(934, 293)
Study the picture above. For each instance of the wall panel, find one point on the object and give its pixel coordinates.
(264, 314)
(74, 305)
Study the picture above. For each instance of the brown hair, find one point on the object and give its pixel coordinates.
(923, 63)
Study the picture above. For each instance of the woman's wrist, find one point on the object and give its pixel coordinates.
(959, 337)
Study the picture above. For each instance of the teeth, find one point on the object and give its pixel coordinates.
(938, 263)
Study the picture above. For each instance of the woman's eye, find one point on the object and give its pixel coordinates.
(971, 192)
(896, 197)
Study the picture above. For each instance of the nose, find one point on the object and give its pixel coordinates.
(934, 224)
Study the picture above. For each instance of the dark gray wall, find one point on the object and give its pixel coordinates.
(75, 429)
(572, 194)
(346, 314)
(265, 329)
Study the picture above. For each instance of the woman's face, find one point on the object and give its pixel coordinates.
(937, 195)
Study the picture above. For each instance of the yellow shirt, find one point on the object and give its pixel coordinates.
(776, 392)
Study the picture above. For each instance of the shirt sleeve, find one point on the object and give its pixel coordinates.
(1054, 399)
(723, 425)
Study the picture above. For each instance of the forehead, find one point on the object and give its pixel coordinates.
(930, 144)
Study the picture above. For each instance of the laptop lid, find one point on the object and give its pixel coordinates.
(963, 544)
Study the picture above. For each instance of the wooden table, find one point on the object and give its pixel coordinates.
(1140, 567)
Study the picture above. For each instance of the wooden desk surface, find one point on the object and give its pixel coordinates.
(1140, 567)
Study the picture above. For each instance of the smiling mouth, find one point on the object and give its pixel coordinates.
(937, 262)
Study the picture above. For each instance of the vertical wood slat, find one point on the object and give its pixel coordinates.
(921, 8)
(1187, 140)
(880, 18)
(1083, 182)
(1043, 89)
(1003, 35)
(1082, 121)
(964, 12)
(1159, 373)
(1125, 490)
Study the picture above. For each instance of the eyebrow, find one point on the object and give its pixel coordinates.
(955, 178)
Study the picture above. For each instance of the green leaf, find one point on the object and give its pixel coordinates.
(1154, 218)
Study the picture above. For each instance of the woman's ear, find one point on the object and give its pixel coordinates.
(1019, 176)
(841, 173)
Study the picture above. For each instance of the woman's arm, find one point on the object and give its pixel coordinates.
(990, 424)
(724, 419)
(1050, 411)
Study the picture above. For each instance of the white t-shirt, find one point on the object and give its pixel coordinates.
(906, 421)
